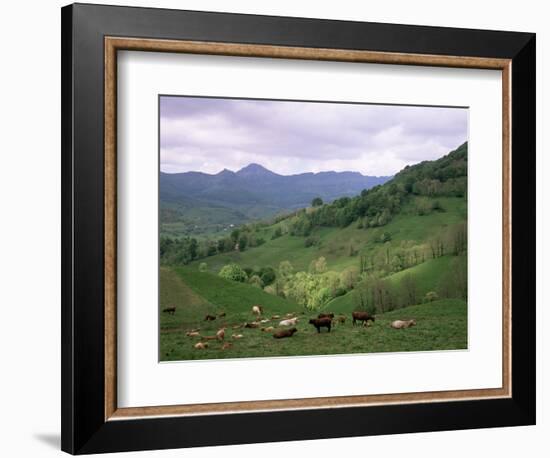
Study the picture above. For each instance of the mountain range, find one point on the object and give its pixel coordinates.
(252, 192)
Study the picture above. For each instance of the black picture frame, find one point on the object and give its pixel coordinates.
(84, 429)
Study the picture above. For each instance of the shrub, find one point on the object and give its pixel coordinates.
(271, 290)
(317, 202)
(278, 232)
(256, 281)
(311, 241)
(267, 275)
(249, 271)
(233, 272)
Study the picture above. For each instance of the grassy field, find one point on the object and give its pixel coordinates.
(335, 242)
(196, 294)
(441, 324)
(427, 276)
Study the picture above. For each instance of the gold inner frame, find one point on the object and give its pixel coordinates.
(114, 44)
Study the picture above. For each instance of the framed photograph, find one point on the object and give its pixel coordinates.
(282, 228)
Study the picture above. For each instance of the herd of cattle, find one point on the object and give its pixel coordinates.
(286, 325)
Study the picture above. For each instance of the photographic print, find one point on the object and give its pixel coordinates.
(296, 228)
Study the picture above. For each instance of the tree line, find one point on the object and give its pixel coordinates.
(445, 177)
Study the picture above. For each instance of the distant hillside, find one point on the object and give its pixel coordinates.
(206, 201)
(375, 207)
(343, 247)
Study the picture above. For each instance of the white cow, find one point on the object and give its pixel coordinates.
(403, 324)
(289, 322)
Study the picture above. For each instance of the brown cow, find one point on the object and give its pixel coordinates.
(321, 323)
(341, 319)
(361, 316)
(282, 333)
(171, 310)
(227, 345)
(209, 318)
(201, 345)
(252, 325)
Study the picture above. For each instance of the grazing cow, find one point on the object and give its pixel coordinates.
(403, 324)
(289, 322)
(252, 325)
(268, 329)
(227, 345)
(290, 315)
(326, 315)
(200, 345)
(221, 315)
(171, 310)
(361, 316)
(209, 318)
(282, 333)
(220, 334)
(193, 334)
(214, 337)
(341, 319)
(257, 310)
(275, 317)
(237, 336)
(321, 323)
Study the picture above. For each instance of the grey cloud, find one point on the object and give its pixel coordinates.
(209, 134)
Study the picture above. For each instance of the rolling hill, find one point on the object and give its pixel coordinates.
(334, 242)
(427, 275)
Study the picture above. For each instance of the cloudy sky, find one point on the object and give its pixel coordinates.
(210, 134)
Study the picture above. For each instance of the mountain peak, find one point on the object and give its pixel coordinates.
(254, 169)
(225, 172)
